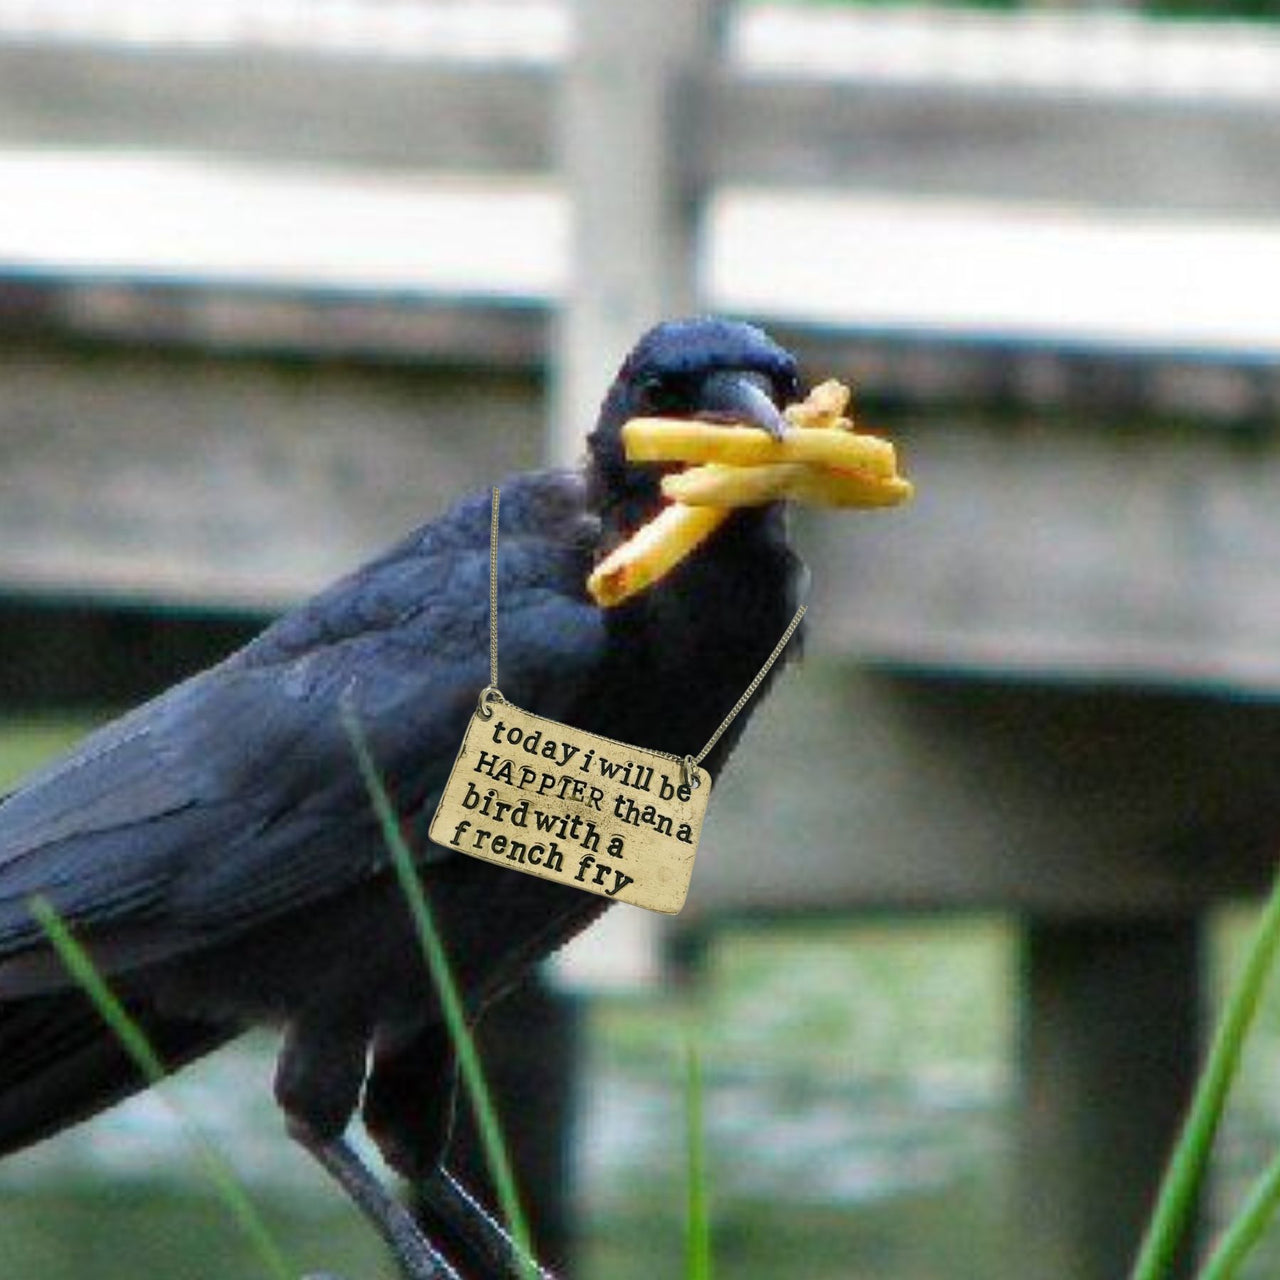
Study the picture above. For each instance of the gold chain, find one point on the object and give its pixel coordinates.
(493, 593)
(490, 692)
(754, 685)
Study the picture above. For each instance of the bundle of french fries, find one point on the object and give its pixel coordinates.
(821, 460)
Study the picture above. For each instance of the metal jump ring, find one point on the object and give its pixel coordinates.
(689, 768)
(488, 696)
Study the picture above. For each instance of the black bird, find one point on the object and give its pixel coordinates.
(217, 854)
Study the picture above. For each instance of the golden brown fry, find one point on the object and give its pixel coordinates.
(718, 485)
(828, 487)
(652, 552)
(676, 440)
(824, 407)
(685, 440)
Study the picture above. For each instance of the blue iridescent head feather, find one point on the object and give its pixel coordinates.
(695, 347)
(707, 367)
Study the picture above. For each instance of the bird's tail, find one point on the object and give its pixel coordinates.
(60, 1063)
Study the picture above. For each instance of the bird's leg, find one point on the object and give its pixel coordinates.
(318, 1078)
(417, 1257)
(408, 1111)
(445, 1202)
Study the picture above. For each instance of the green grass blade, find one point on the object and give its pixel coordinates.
(698, 1218)
(1246, 1228)
(135, 1043)
(1176, 1202)
(486, 1116)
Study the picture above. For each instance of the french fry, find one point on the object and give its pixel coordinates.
(829, 487)
(686, 440)
(717, 485)
(824, 407)
(652, 552)
(820, 460)
(677, 440)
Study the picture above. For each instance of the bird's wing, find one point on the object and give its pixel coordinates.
(234, 797)
(60, 1062)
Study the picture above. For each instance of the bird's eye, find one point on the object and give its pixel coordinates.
(788, 389)
(663, 395)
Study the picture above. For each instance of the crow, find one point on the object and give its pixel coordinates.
(216, 853)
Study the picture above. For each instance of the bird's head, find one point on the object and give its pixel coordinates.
(709, 369)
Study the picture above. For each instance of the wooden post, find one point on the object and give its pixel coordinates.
(1111, 1039)
(630, 142)
(630, 130)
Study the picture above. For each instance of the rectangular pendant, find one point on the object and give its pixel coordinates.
(537, 796)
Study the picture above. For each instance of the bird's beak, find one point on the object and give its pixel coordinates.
(740, 397)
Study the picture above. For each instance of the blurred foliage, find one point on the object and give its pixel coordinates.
(1214, 8)
(1258, 9)
(26, 744)
(126, 1230)
(856, 1104)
